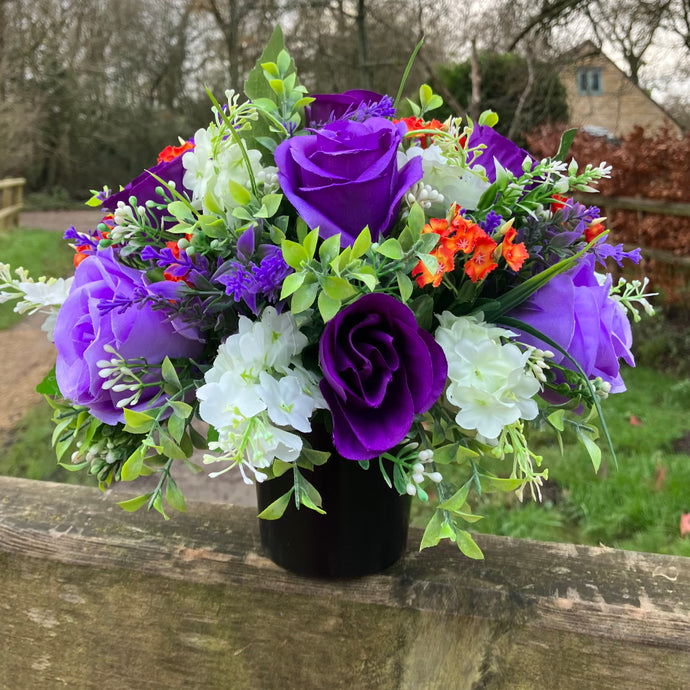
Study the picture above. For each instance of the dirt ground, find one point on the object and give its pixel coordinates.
(27, 356)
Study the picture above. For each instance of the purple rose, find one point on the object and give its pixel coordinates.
(576, 312)
(144, 185)
(353, 104)
(508, 154)
(83, 329)
(380, 369)
(345, 177)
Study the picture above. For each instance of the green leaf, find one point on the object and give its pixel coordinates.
(432, 533)
(310, 242)
(294, 254)
(271, 202)
(303, 298)
(170, 447)
(367, 275)
(132, 504)
(278, 87)
(181, 211)
(416, 221)
(292, 283)
(405, 286)
(181, 409)
(391, 248)
(430, 261)
(137, 422)
(49, 384)
(502, 483)
(169, 374)
(467, 545)
(592, 448)
(132, 467)
(277, 508)
(338, 288)
(315, 457)
(362, 243)
(328, 307)
(556, 419)
(174, 496)
(406, 73)
(256, 86)
(567, 139)
(239, 194)
(176, 426)
(329, 249)
(457, 500)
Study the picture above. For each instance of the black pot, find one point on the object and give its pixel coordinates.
(363, 531)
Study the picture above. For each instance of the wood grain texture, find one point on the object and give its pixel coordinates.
(93, 597)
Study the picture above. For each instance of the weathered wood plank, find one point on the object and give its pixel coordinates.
(93, 597)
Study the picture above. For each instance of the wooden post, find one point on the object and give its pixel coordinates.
(11, 199)
(92, 597)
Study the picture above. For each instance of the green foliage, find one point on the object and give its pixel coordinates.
(503, 79)
(637, 506)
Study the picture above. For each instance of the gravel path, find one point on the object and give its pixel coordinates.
(27, 356)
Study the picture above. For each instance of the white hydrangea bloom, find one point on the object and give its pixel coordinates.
(257, 391)
(457, 185)
(211, 165)
(491, 382)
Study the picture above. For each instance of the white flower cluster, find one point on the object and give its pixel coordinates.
(451, 182)
(256, 387)
(213, 167)
(491, 381)
(44, 295)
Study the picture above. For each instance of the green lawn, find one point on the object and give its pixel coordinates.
(41, 252)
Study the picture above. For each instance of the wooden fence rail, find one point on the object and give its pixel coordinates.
(96, 598)
(11, 201)
(631, 203)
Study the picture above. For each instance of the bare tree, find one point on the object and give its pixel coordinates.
(630, 25)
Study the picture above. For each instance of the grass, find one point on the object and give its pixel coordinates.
(26, 450)
(41, 252)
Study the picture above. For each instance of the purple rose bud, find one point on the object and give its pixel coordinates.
(82, 331)
(380, 369)
(576, 312)
(345, 177)
(508, 154)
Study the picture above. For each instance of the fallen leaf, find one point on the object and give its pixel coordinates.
(684, 524)
(660, 477)
(635, 421)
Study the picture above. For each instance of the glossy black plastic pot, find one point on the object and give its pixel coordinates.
(363, 531)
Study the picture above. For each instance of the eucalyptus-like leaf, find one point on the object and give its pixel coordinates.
(276, 509)
(174, 496)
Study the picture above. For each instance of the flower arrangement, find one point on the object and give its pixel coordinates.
(424, 291)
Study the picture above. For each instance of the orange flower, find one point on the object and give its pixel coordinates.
(169, 153)
(559, 202)
(482, 261)
(466, 233)
(514, 254)
(594, 230)
(415, 123)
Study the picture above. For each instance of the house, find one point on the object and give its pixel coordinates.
(604, 101)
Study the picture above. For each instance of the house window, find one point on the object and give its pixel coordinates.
(589, 81)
